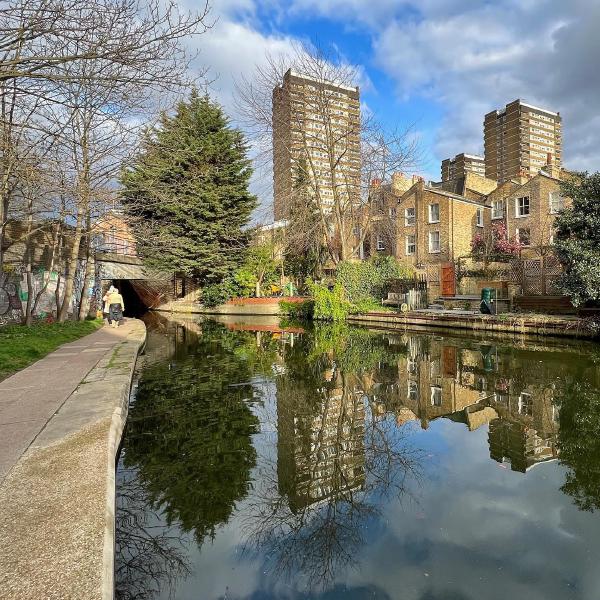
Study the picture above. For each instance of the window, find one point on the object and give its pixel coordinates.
(393, 213)
(557, 202)
(434, 241)
(434, 213)
(380, 243)
(524, 236)
(411, 245)
(409, 216)
(436, 395)
(480, 217)
(525, 404)
(413, 390)
(522, 206)
(498, 209)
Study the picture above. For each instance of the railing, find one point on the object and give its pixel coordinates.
(121, 246)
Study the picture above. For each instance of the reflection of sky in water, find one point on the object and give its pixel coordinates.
(466, 528)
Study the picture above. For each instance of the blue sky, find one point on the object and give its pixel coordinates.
(437, 64)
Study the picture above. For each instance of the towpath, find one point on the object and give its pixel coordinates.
(61, 421)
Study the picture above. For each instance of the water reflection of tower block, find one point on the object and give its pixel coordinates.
(321, 452)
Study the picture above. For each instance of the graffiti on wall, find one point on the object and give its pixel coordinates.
(14, 293)
(11, 308)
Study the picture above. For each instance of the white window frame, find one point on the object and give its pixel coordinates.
(380, 243)
(409, 220)
(479, 216)
(519, 229)
(439, 243)
(413, 244)
(552, 198)
(431, 219)
(495, 205)
(518, 213)
(522, 404)
(436, 391)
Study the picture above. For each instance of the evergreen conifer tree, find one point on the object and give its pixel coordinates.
(187, 190)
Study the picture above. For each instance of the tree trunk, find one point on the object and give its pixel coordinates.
(71, 269)
(55, 250)
(84, 300)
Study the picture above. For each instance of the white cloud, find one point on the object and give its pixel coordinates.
(480, 56)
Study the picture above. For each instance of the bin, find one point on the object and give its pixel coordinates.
(485, 305)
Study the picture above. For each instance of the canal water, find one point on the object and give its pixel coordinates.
(265, 462)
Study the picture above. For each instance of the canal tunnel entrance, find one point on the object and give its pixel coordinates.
(134, 304)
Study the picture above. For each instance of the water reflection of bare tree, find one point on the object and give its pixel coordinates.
(150, 556)
(310, 513)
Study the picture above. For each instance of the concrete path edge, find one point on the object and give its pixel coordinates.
(115, 434)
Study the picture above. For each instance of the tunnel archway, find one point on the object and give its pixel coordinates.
(134, 304)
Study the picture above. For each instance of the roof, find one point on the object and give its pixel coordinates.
(323, 81)
(454, 196)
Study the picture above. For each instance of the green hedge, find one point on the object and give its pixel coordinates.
(368, 280)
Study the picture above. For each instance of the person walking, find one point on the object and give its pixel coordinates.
(105, 305)
(116, 306)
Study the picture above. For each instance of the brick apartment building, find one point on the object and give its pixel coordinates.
(518, 140)
(313, 122)
(436, 226)
(461, 164)
(529, 207)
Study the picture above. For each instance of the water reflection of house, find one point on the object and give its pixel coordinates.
(527, 430)
(320, 448)
(474, 386)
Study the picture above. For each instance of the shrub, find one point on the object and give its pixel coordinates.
(329, 305)
(368, 280)
(365, 306)
(214, 294)
(298, 310)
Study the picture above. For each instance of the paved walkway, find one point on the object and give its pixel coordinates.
(62, 420)
(30, 398)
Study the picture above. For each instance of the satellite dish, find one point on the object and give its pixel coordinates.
(404, 307)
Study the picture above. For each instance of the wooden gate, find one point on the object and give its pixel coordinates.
(448, 280)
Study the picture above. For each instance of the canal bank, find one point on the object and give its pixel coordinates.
(64, 417)
(513, 323)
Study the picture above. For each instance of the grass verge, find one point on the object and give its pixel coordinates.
(20, 346)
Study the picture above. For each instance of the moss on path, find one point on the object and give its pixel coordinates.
(20, 346)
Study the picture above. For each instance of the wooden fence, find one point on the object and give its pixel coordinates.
(411, 291)
(537, 276)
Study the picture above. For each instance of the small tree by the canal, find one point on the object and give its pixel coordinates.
(187, 190)
(577, 240)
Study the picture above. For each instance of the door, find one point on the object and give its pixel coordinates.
(448, 280)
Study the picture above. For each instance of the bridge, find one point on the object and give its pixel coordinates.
(141, 287)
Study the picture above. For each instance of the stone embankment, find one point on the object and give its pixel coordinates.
(57, 496)
(529, 324)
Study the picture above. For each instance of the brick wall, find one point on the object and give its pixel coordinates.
(540, 220)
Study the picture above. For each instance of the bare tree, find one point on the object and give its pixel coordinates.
(78, 75)
(329, 134)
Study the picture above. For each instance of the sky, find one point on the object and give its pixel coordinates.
(438, 65)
